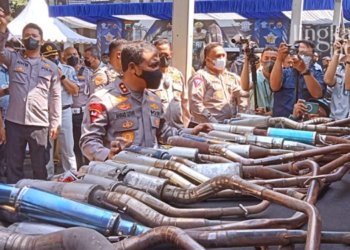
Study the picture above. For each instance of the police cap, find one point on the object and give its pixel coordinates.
(49, 49)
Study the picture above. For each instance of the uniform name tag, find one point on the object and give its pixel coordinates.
(125, 114)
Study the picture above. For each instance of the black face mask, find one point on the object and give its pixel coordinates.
(87, 63)
(73, 61)
(30, 43)
(164, 62)
(56, 61)
(152, 78)
(268, 66)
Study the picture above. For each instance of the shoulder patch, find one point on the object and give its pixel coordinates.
(121, 98)
(197, 81)
(96, 110)
(100, 79)
(154, 106)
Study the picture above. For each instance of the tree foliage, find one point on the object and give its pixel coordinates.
(17, 6)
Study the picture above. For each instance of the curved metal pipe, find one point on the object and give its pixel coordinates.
(329, 167)
(295, 221)
(233, 182)
(73, 238)
(328, 139)
(208, 213)
(318, 120)
(157, 236)
(148, 216)
(339, 148)
(285, 122)
(262, 237)
(250, 172)
(342, 122)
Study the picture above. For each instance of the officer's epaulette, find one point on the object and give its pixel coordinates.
(123, 88)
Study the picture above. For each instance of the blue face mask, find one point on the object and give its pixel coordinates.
(30, 43)
(307, 60)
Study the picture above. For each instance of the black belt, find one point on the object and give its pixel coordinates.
(66, 107)
(77, 111)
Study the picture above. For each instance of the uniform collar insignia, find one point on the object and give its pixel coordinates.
(123, 88)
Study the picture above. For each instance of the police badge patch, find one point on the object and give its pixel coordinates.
(95, 110)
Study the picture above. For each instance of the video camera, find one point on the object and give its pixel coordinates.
(238, 39)
(232, 53)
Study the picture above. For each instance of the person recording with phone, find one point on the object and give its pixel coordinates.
(303, 81)
(314, 108)
(337, 77)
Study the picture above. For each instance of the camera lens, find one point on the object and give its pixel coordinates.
(309, 107)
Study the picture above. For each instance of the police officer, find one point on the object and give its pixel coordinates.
(68, 80)
(100, 76)
(172, 91)
(215, 93)
(126, 112)
(114, 67)
(35, 102)
(84, 74)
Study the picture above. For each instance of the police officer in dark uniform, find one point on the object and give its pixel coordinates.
(126, 112)
(34, 110)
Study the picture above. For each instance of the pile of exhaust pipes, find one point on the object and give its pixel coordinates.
(148, 198)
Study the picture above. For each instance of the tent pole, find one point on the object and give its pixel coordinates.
(296, 22)
(182, 26)
(338, 22)
(338, 12)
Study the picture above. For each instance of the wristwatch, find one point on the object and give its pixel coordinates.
(306, 72)
(63, 77)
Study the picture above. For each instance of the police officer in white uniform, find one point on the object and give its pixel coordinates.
(34, 110)
(126, 112)
(84, 74)
(68, 80)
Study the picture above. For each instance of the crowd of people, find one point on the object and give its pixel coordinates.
(91, 110)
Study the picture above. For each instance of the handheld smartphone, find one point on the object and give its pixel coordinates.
(5, 5)
(312, 107)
